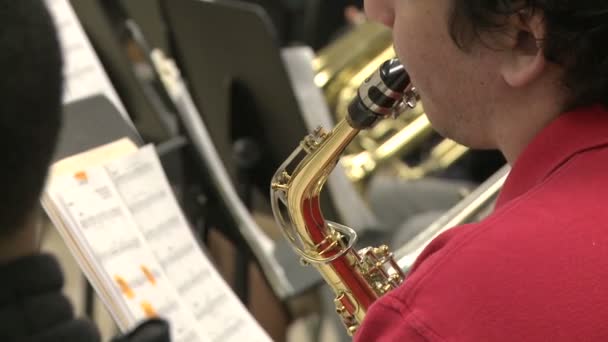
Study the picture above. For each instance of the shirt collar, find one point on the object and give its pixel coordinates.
(569, 134)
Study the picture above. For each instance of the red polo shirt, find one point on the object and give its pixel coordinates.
(535, 270)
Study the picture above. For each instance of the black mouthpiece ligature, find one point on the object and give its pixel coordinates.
(385, 93)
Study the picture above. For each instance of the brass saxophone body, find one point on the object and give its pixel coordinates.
(358, 278)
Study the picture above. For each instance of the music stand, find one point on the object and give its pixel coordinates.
(147, 117)
(229, 54)
(90, 123)
(220, 44)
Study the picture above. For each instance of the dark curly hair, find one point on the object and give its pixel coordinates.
(576, 39)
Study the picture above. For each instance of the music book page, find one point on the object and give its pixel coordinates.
(122, 222)
(84, 73)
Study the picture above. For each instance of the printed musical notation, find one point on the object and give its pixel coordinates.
(162, 227)
(84, 73)
(115, 241)
(141, 183)
(126, 215)
(119, 248)
(193, 280)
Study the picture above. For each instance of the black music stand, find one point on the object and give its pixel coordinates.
(228, 53)
(89, 123)
(232, 61)
(149, 119)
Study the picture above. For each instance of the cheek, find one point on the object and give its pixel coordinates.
(435, 65)
(380, 11)
(417, 58)
(417, 45)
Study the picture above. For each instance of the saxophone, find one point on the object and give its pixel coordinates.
(358, 278)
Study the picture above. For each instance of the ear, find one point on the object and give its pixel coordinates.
(524, 56)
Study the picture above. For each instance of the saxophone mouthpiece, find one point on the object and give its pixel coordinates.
(394, 76)
(385, 93)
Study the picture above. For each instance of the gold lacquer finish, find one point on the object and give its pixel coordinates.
(334, 68)
(358, 278)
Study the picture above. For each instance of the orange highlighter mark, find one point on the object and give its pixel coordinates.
(148, 274)
(148, 310)
(124, 287)
(81, 176)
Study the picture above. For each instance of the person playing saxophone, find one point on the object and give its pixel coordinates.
(530, 78)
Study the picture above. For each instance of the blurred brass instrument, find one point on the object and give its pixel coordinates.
(474, 207)
(358, 278)
(340, 69)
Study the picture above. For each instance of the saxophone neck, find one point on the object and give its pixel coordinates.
(324, 151)
(297, 185)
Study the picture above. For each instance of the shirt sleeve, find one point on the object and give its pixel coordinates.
(386, 323)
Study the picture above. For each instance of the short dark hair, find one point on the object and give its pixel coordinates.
(31, 85)
(577, 32)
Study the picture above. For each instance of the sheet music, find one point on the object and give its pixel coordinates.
(144, 189)
(92, 204)
(84, 73)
